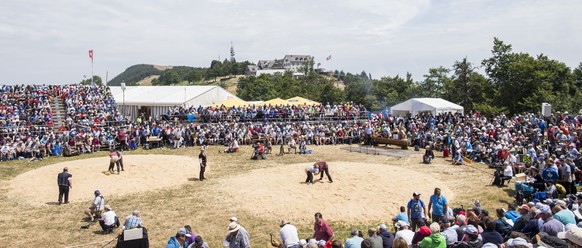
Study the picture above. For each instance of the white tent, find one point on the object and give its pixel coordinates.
(419, 105)
(156, 100)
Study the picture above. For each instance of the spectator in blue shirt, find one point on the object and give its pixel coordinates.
(439, 206)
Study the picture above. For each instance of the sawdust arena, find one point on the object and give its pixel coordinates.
(358, 192)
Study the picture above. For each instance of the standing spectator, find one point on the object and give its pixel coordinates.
(416, 211)
(97, 205)
(133, 221)
(322, 229)
(288, 234)
(439, 206)
(354, 241)
(65, 182)
(179, 240)
(237, 236)
(202, 160)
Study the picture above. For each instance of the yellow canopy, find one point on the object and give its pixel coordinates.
(300, 101)
(232, 102)
(276, 101)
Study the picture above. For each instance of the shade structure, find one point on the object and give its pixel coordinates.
(232, 102)
(300, 101)
(435, 106)
(276, 101)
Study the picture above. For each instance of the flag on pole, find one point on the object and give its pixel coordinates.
(328, 57)
(91, 54)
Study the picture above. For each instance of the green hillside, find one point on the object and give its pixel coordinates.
(134, 74)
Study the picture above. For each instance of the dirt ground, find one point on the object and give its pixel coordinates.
(280, 189)
(142, 173)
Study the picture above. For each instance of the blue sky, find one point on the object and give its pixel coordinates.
(48, 41)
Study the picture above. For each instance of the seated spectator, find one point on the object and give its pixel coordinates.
(179, 240)
(133, 221)
(259, 151)
(198, 243)
(458, 159)
(428, 155)
(292, 145)
(109, 220)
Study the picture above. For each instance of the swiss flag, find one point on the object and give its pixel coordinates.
(91, 54)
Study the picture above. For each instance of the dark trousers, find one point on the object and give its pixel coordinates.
(119, 164)
(326, 170)
(309, 177)
(63, 190)
(505, 178)
(202, 169)
(567, 186)
(416, 223)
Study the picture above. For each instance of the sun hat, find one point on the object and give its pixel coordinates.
(233, 227)
(574, 235)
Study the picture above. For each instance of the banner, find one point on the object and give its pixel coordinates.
(91, 54)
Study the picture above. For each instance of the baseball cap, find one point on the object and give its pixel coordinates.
(183, 231)
(382, 227)
(470, 229)
(97, 192)
(544, 209)
(198, 240)
(401, 223)
(562, 203)
(233, 218)
(524, 207)
(415, 193)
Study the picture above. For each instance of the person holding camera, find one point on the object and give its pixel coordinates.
(96, 208)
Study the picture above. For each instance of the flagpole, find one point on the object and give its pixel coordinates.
(92, 83)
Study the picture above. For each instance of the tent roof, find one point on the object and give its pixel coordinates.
(276, 101)
(232, 102)
(160, 95)
(421, 104)
(300, 101)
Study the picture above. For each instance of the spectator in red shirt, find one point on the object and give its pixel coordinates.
(322, 229)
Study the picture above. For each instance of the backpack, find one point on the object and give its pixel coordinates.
(561, 189)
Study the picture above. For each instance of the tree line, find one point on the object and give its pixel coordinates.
(509, 83)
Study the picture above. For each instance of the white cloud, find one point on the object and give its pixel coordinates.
(44, 41)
